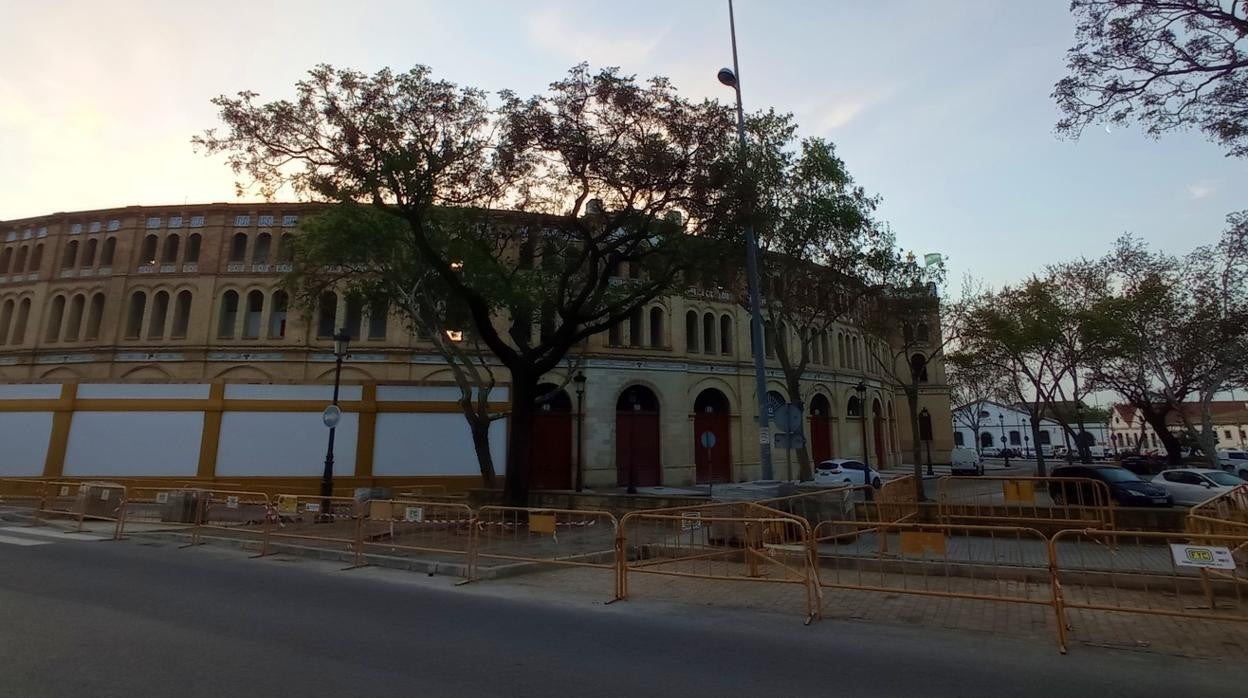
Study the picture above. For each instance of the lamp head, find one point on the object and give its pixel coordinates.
(727, 77)
(342, 339)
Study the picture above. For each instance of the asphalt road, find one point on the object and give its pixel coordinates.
(131, 619)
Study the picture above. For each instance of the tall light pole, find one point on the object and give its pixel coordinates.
(342, 340)
(731, 77)
(579, 380)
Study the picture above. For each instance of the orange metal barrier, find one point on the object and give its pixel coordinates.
(312, 519)
(1050, 501)
(823, 504)
(1202, 576)
(1007, 564)
(722, 542)
(438, 531)
(162, 507)
(1225, 514)
(569, 537)
(21, 496)
(896, 500)
(82, 501)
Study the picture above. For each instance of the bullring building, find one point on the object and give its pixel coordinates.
(156, 341)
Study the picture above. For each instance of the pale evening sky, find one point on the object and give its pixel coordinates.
(942, 108)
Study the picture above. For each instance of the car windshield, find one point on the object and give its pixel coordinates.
(1233, 455)
(1118, 475)
(1221, 478)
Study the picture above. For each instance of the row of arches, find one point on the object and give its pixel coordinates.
(171, 250)
(645, 328)
(89, 249)
(244, 316)
(638, 427)
(261, 250)
(156, 318)
(14, 314)
(708, 334)
(22, 260)
(69, 326)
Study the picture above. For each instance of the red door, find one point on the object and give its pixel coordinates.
(551, 454)
(637, 448)
(713, 464)
(820, 438)
(879, 463)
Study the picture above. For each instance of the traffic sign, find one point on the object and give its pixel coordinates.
(788, 418)
(707, 439)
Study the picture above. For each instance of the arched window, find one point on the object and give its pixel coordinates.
(71, 255)
(6, 319)
(160, 311)
(769, 341)
(725, 335)
(134, 318)
(708, 333)
(147, 253)
(840, 348)
(181, 315)
(20, 264)
(95, 313)
(378, 314)
(958, 439)
(691, 331)
(229, 315)
(238, 248)
(36, 258)
(922, 333)
(260, 255)
(286, 248)
(656, 327)
(1015, 439)
(825, 347)
(918, 368)
(327, 314)
(277, 315)
(803, 342)
(255, 310)
(853, 407)
(19, 325)
(1046, 439)
(192, 248)
(355, 316)
(634, 329)
(73, 325)
(52, 331)
(614, 335)
(907, 332)
(89, 251)
(6, 258)
(110, 250)
(170, 253)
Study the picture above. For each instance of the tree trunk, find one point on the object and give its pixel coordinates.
(1174, 449)
(912, 401)
(1041, 470)
(793, 385)
(523, 391)
(481, 445)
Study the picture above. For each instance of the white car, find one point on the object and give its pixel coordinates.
(845, 471)
(963, 459)
(1192, 486)
(1234, 462)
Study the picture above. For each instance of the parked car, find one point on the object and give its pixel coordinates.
(1191, 486)
(1142, 464)
(1125, 487)
(845, 471)
(965, 460)
(1234, 461)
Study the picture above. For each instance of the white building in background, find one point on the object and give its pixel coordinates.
(988, 424)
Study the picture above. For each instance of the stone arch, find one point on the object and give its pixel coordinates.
(638, 454)
(550, 448)
(147, 373)
(350, 374)
(820, 413)
(244, 374)
(734, 399)
(60, 373)
(712, 436)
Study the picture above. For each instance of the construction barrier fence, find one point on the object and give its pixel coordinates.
(439, 533)
(1063, 502)
(1226, 513)
(508, 536)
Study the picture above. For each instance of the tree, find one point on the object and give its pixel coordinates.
(1020, 334)
(1167, 64)
(611, 172)
(911, 328)
(822, 254)
(970, 387)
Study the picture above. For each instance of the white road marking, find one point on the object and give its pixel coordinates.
(49, 533)
(22, 541)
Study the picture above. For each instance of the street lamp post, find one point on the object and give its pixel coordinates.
(731, 77)
(1005, 451)
(579, 380)
(1085, 454)
(342, 340)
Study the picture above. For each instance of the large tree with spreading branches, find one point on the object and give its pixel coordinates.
(609, 172)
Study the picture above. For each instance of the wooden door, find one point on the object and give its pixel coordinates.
(637, 448)
(820, 438)
(551, 454)
(714, 464)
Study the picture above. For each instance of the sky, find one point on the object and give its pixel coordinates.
(942, 108)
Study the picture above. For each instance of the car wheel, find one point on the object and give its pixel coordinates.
(876, 483)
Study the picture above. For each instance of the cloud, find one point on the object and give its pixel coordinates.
(558, 33)
(1202, 189)
(846, 107)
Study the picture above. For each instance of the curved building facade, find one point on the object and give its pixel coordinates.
(155, 341)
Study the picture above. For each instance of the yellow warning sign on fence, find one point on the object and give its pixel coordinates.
(922, 542)
(1023, 491)
(542, 523)
(287, 505)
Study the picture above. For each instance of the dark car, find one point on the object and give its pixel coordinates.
(1143, 465)
(1125, 487)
